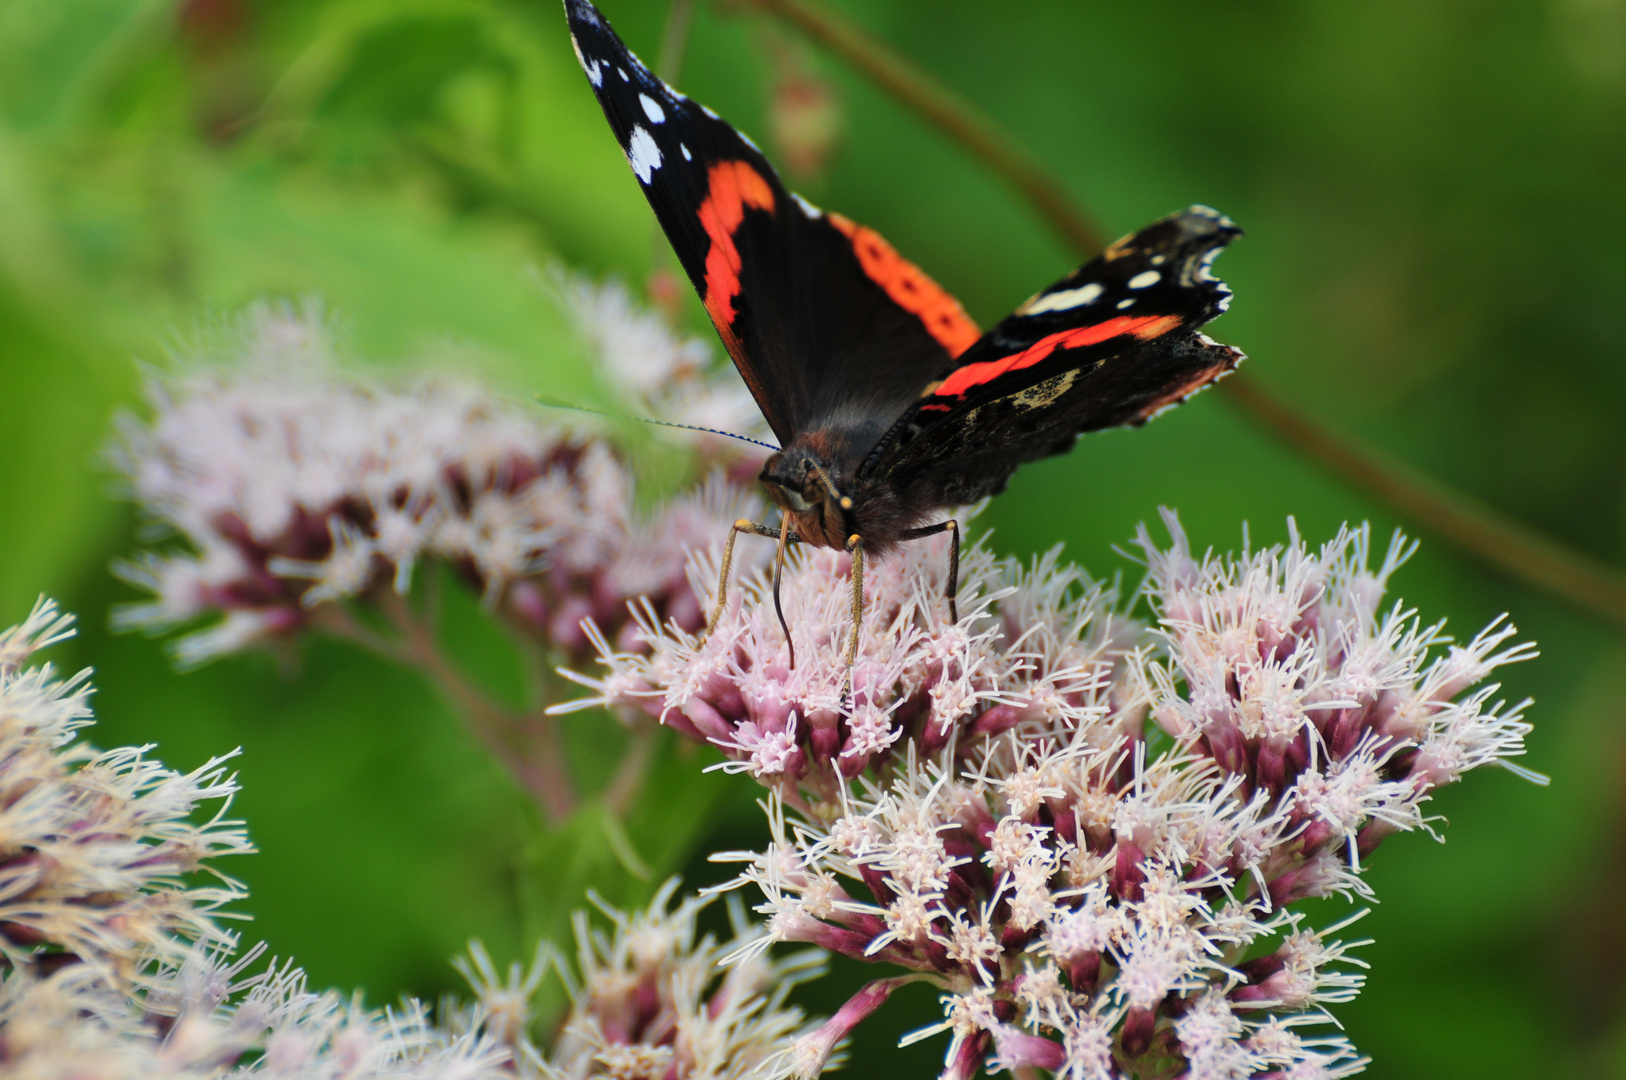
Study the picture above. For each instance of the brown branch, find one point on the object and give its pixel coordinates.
(1505, 544)
(628, 778)
(674, 41)
(956, 117)
(527, 745)
(1474, 527)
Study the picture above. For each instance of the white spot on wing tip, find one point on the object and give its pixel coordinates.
(623, 73)
(594, 75)
(1125, 303)
(1205, 267)
(1064, 300)
(652, 109)
(686, 155)
(642, 154)
(1145, 279)
(807, 208)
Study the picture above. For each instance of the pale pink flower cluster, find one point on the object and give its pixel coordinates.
(652, 999)
(649, 1001)
(918, 679)
(113, 966)
(294, 485)
(1085, 831)
(205, 1018)
(672, 377)
(95, 845)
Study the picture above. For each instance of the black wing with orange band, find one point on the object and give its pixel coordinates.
(1115, 342)
(821, 316)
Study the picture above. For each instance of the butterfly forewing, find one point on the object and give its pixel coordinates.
(821, 316)
(1113, 343)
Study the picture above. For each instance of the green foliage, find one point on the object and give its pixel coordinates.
(1433, 198)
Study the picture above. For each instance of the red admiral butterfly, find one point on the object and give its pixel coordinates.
(888, 402)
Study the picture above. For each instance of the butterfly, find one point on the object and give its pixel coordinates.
(889, 404)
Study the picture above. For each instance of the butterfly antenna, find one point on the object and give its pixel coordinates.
(554, 404)
(778, 571)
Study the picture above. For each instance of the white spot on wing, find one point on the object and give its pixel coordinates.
(1205, 270)
(1144, 279)
(707, 110)
(594, 75)
(807, 208)
(623, 73)
(652, 109)
(685, 148)
(1062, 301)
(1125, 303)
(642, 153)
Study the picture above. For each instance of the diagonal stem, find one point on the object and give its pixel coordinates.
(674, 41)
(527, 745)
(955, 116)
(1474, 527)
(1505, 544)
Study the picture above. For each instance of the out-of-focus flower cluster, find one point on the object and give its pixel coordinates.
(665, 376)
(113, 966)
(294, 485)
(650, 1001)
(1085, 831)
(95, 846)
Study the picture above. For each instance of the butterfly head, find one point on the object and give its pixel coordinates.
(803, 483)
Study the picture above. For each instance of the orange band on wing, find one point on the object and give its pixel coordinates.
(910, 288)
(1144, 327)
(734, 185)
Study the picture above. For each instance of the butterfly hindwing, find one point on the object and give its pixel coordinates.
(1115, 342)
(821, 316)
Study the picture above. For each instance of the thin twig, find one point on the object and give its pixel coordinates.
(958, 118)
(674, 41)
(527, 745)
(621, 791)
(1476, 528)
(629, 773)
(1503, 543)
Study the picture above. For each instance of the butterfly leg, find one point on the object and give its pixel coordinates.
(745, 526)
(950, 526)
(855, 544)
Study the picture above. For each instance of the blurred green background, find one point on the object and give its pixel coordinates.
(1433, 194)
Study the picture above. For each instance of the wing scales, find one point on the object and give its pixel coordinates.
(1115, 342)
